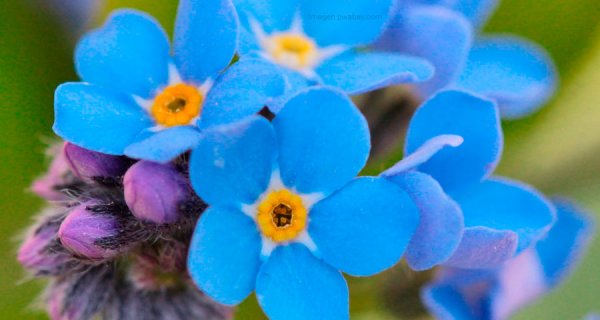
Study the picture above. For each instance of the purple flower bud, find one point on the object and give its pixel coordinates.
(88, 164)
(45, 186)
(36, 254)
(82, 229)
(154, 192)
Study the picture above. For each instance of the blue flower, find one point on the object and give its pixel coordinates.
(496, 294)
(316, 42)
(468, 219)
(286, 213)
(138, 100)
(517, 74)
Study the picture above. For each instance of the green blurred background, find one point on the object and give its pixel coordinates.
(557, 150)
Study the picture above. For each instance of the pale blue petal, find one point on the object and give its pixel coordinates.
(206, 36)
(96, 118)
(360, 72)
(233, 165)
(243, 90)
(517, 73)
(484, 248)
(476, 120)
(356, 22)
(502, 218)
(436, 34)
(424, 153)
(503, 204)
(293, 284)
(165, 145)
(224, 258)
(323, 140)
(365, 227)
(129, 54)
(440, 226)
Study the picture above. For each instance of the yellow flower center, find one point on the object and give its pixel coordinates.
(295, 51)
(281, 216)
(177, 105)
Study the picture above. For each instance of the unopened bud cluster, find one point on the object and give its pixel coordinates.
(114, 240)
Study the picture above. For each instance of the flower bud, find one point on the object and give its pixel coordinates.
(87, 164)
(81, 231)
(45, 186)
(36, 253)
(154, 192)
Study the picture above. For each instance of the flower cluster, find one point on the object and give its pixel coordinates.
(227, 163)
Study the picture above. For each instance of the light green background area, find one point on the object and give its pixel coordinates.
(558, 149)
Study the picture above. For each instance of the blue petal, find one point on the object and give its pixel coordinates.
(323, 140)
(566, 241)
(365, 227)
(459, 113)
(459, 293)
(537, 270)
(440, 226)
(96, 118)
(434, 33)
(294, 83)
(272, 15)
(516, 73)
(129, 54)
(501, 205)
(165, 145)
(224, 255)
(358, 73)
(484, 248)
(206, 35)
(477, 11)
(500, 292)
(486, 294)
(243, 90)
(248, 44)
(424, 153)
(443, 301)
(356, 22)
(293, 284)
(233, 165)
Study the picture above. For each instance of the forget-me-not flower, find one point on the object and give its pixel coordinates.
(286, 213)
(468, 219)
(497, 294)
(138, 100)
(516, 73)
(318, 42)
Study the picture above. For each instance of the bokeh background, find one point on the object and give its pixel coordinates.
(557, 150)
